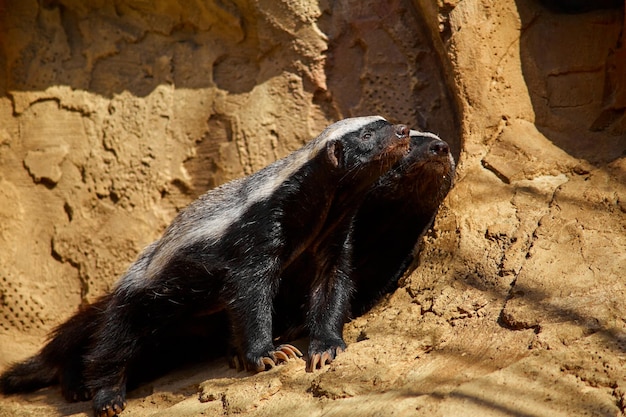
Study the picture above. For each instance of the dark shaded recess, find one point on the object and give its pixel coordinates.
(581, 6)
(574, 67)
(198, 339)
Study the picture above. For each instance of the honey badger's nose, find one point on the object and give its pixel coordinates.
(402, 131)
(439, 148)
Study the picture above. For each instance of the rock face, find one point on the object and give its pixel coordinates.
(114, 115)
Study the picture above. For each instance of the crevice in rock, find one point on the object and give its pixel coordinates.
(83, 281)
(493, 170)
(505, 319)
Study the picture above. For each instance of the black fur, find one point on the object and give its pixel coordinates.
(383, 238)
(226, 253)
(396, 213)
(581, 6)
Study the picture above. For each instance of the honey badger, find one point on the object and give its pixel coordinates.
(395, 213)
(226, 252)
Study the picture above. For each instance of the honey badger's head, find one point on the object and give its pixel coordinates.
(427, 170)
(365, 144)
(429, 156)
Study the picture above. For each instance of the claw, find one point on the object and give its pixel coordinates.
(108, 412)
(313, 362)
(118, 408)
(290, 350)
(265, 363)
(109, 402)
(317, 360)
(281, 356)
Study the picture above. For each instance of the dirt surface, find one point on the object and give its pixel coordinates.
(114, 115)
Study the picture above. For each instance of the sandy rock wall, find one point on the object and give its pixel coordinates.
(114, 115)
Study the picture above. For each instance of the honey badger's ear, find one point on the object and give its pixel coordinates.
(334, 153)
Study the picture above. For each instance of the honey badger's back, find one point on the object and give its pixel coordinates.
(224, 251)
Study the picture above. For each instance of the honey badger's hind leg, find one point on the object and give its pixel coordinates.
(68, 347)
(60, 360)
(133, 320)
(106, 363)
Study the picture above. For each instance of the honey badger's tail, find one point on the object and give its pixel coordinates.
(60, 360)
(29, 375)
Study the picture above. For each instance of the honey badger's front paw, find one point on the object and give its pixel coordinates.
(322, 353)
(109, 402)
(259, 363)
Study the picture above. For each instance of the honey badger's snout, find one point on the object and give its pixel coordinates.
(439, 148)
(402, 131)
(398, 143)
(428, 146)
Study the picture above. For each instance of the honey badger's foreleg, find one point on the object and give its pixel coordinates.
(329, 303)
(250, 314)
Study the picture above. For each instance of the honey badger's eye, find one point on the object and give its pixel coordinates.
(366, 136)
